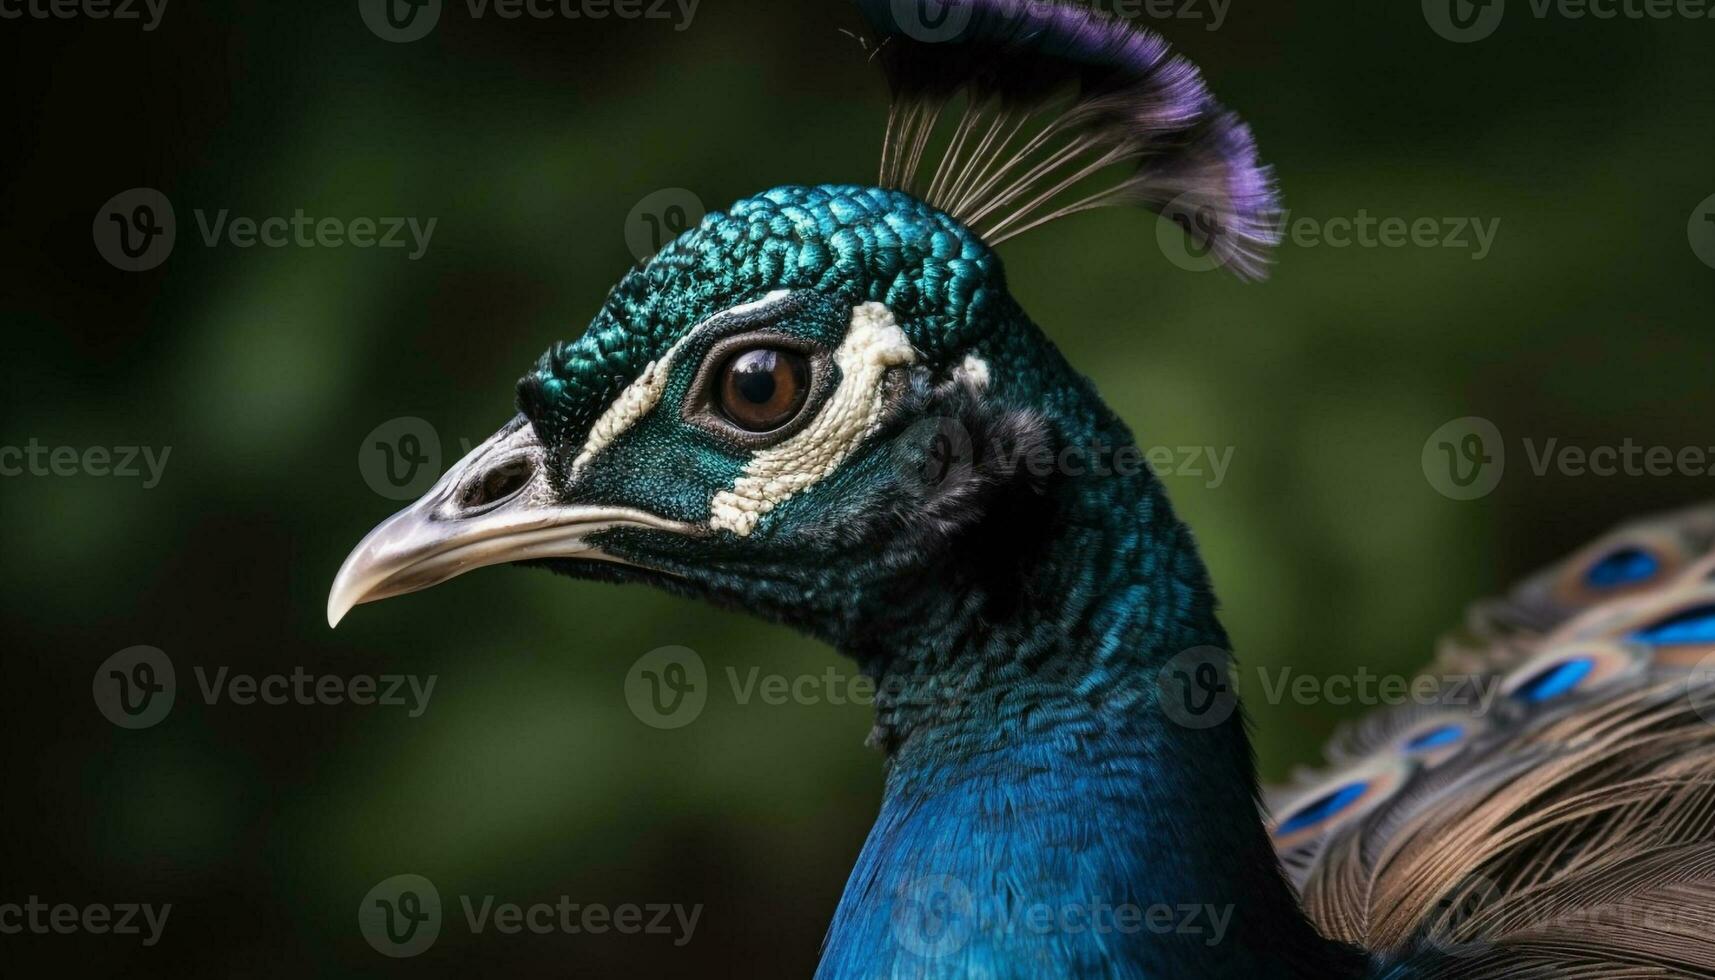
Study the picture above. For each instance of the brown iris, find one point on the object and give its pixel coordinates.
(763, 388)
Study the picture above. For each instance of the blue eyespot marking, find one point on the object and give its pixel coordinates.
(1694, 625)
(1323, 807)
(1552, 682)
(1627, 566)
(1436, 737)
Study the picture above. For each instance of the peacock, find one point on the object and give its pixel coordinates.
(823, 406)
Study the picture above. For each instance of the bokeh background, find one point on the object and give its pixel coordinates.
(531, 142)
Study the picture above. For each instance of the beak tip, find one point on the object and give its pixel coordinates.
(338, 605)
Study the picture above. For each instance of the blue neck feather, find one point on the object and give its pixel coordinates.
(1043, 816)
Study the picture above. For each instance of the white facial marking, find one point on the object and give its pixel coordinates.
(976, 369)
(642, 395)
(873, 344)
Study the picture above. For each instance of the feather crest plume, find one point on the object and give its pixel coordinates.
(1042, 109)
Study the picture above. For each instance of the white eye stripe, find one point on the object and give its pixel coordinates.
(873, 344)
(644, 392)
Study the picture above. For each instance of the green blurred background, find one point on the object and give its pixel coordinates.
(531, 141)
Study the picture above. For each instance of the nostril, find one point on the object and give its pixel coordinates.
(498, 483)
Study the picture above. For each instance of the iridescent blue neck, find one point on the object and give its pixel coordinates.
(1044, 815)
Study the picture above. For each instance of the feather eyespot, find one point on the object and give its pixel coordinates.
(762, 389)
(1323, 807)
(1695, 625)
(1554, 681)
(1625, 566)
(1438, 737)
(1564, 669)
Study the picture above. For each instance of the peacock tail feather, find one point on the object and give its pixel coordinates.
(1551, 809)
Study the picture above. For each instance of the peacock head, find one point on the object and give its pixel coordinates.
(824, 399)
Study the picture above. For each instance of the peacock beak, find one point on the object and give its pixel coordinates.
(493, 506)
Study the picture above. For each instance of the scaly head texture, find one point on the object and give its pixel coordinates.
(852, 243)
(1061, 108)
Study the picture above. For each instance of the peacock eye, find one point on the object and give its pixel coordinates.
(763, 388)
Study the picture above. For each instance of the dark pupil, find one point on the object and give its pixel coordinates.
(753, 376)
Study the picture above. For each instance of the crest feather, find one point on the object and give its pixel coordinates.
(1063, 109)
